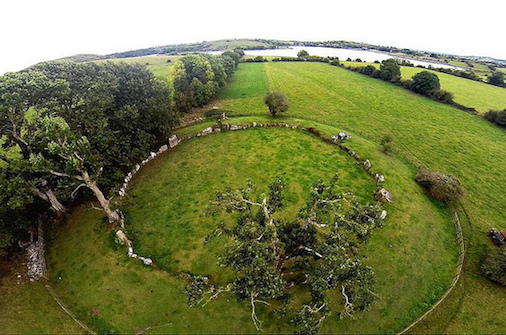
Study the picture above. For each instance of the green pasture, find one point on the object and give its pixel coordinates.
(413, 255)
(481, 96)
(28, 308)
(165, 210)
(426, 133)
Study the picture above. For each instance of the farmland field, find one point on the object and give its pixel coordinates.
(164, 216)
(413, 255)
(426, 133)
(481, 96)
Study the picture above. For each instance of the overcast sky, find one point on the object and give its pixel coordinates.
(37, 30)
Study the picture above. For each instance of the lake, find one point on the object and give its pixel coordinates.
(343, 54)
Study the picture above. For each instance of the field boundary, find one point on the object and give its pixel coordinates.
(462, 253)
(68, 311)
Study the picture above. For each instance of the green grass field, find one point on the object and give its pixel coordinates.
(413, 256)
(481, 96)
(433, 134)
(164, 211)
(28, 308)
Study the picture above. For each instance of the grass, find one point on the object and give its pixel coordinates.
(481, 96)
(28, 308)
(164, 214)
(413, 256)
(425, 132)
(166, 207)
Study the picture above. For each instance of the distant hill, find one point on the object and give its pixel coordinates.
(228, 44)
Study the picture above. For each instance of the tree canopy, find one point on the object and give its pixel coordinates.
(425, 82)
(390, 70)
(276, 102)
(318, 251)
(497, 79)
(68, 125)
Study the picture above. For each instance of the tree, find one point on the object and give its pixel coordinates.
(425, 82)
(318, 250)
(390, 70)
(369, 70)
(494, 265)
(302, 54)
(276, 102)
(497, 79)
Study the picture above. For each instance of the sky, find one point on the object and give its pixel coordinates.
(32, 31)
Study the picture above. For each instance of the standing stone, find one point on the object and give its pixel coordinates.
(173, 141)
(367, 165)
(383, 195)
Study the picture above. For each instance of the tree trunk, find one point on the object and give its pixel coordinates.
(92, 185)
(49, 196)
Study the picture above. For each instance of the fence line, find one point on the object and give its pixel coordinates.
(68, 311)
(462, 251)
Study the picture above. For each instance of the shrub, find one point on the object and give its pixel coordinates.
(494, 266)
(425, 82)
(369, 70)
(497, 117)
(386, 142)
(390, 70)
(441, 95)
(440, 186)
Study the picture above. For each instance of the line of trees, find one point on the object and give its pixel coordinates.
(69, 127)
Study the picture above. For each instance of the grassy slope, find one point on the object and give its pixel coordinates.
(469, 93)
(440, 137)
(102, 278)
(28, 308)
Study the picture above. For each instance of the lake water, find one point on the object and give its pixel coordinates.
(343, 54)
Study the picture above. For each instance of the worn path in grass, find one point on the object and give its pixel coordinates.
(427, 133)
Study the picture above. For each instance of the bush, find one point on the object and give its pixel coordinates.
(441, 95)
(386, 142)
(440, 186)
(425, 82)
(390, 70)
(496, 117)
(494, 266)
(369, 70)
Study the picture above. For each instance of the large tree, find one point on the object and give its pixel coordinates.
(276, 102)
(390, 70)
(79, 124)
(497, 79)
(425, 82)
(317, 251)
